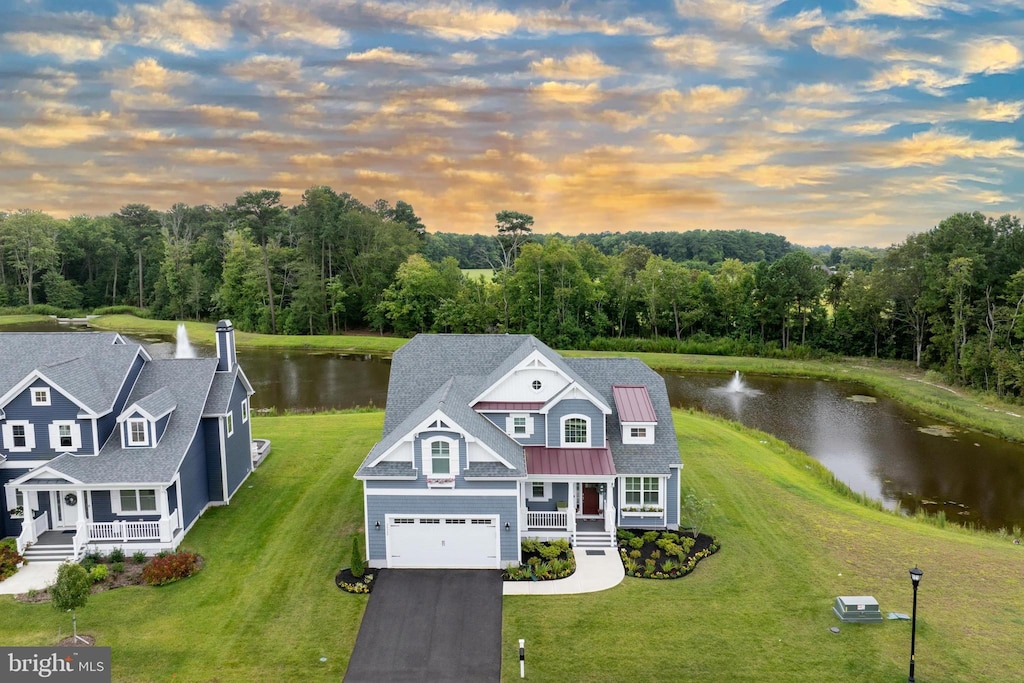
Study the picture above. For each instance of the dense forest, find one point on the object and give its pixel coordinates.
(949, 299)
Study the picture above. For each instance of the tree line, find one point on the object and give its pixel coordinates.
(949, 299)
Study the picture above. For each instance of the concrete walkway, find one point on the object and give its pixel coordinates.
(593, 573)
(33, 576)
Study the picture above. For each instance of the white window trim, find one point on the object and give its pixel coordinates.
(128, 431)
(428, 462)
(561, 431)
(30, 436)
(229, 421)
(245, 410)
(115, 502)
(662, 483)
(547, 491)
(510, 425)
(76, 436)
(45, 401)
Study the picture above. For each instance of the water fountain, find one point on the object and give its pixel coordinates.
(183, 348)
(736, 386)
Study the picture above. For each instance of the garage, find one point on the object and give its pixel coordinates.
(443, 542)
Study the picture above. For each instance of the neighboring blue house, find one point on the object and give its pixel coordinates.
(102, 446)
(490, 439)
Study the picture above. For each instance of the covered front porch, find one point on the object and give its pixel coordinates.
(57, 512)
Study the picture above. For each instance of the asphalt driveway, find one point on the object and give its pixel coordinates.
(430, 625)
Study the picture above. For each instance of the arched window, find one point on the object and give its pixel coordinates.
(575, 431)
(440, 457)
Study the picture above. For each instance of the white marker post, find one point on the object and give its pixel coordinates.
(522, 658)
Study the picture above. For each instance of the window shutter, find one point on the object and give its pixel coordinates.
(8, 436)
(30, 436)
(76, 436)
(54, 437)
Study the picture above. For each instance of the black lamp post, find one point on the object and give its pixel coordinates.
(915, 578)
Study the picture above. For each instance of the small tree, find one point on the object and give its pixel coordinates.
(71, 591)
(697, 512)
(358, 566)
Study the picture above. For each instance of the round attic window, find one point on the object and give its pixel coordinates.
(536, 385)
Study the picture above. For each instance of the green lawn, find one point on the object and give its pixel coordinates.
(760, 610)
(264, 607)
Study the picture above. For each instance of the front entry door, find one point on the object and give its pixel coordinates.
(591, 500)
(66, 507)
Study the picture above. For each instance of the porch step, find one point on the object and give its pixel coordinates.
(595, 539)
(49, 552)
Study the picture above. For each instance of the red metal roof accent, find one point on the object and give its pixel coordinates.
(507, 405)
(633, 404)
(569, 461)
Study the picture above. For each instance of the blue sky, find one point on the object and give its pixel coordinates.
(850, 123)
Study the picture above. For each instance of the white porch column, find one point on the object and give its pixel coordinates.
(609, 506)
(162, 508)
(570, 509)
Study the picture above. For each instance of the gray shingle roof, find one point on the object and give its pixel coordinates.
(188, 382)
(157, 404)
(88, 365)
(446, 372)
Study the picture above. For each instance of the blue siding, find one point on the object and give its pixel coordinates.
(8, 526)
(161, 425)
(239, 453)
(40, 417)
(210, 435)
(504, 506)
(194, 493)
(575, 406)
(535, 439)
(672, 501)
(102, 509)
(559, 492)
(421, 484)
(108, 422)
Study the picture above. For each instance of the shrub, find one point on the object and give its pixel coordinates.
(98, 573)
(116, 555)
(96, 557)
(165, 569)
(624, 535)
(138, 557)
(650, 536)
(9, 559)
(117, 567)
(9, 542)
(550, 551)
(635, 554)
(87, 563)
(636, 542)
(358, 568)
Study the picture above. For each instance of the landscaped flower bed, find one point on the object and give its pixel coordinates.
(351, 584)
(542, 561)
(658, 554)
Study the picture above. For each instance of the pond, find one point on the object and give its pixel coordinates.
(877, 446)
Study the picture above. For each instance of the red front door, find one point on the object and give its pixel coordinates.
(591, 500)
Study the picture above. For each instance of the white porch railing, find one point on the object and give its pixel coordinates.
(81, 539)
(547, 520)
(31, 529)
(126, 531)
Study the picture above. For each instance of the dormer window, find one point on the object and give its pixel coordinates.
(138, 432)
(441, 462)
(575, 431)
(40, 396)
(440, 458)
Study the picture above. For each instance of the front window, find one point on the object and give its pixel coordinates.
(538, 489)
(519, 424)
(138, 433)
(64, 435)
(141, 500)
(642, 492)
(18, 432)
(440, 457)
(41, 396)
(575, 430)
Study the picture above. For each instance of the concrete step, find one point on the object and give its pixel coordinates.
(49, 553)
(595, 539)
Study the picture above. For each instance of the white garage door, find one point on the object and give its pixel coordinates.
(454, 542)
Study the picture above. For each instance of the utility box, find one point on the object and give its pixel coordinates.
(857, 609)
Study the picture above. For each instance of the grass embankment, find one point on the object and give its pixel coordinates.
(22, 319)
(899, 380)
(760, 609)
(264, 607)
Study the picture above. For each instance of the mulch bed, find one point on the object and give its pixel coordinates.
(704, 546)
(350, 584)
(131, 576)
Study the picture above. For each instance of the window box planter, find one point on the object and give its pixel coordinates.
(441, 482)
(17, 513)
(643, 511)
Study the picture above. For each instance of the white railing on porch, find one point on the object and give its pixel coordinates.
(125, 531)
(547, 520)
(81, 538)
(31, 529)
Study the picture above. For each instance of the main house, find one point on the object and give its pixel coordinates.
(104, 446)
(490, 439)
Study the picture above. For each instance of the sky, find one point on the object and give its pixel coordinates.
(851, 122)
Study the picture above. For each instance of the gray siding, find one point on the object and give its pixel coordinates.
(535, 439)
(672, 501)
(239, 453)
(194, 493)
(559, 492)
(575, 406)
(377, 507)
(421, 484)
(214, 485)
(102, 508)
